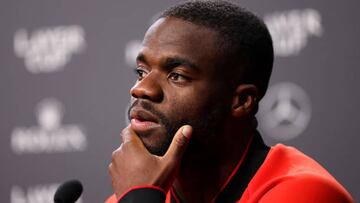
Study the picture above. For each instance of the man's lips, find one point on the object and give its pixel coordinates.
(142, 121)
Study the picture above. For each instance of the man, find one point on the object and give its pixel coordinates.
(202, 69)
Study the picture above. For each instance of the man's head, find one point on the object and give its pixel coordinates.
(244, 41)
(202, 63)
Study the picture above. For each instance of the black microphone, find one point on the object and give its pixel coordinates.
(68, 192)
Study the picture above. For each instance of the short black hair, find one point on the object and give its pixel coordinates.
(243, 35)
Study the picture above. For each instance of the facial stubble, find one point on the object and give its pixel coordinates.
(205, 126)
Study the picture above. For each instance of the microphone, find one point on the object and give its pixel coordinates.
(68, 192)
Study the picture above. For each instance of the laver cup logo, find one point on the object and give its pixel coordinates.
(131, 51)
(285, 111)
(49, 49)
(33, 194)
(50, 135)
(291, 30)
(41, 193)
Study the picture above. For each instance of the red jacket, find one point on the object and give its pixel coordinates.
(286, 175)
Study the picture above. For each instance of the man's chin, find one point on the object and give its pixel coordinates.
(156, 141)
(156, 148)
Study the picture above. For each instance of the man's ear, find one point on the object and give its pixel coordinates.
(244, 100)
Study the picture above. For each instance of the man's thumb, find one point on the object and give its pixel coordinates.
(179, 143)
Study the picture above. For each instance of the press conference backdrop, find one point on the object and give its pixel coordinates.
(66, 69)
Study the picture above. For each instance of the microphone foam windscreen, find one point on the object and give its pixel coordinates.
(68, 192)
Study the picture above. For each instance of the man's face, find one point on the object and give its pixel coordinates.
(176, 85)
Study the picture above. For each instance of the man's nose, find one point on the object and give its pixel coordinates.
(148, 88)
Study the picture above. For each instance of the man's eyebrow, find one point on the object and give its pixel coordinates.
(175, 61)
(171, 62)
(141, 58)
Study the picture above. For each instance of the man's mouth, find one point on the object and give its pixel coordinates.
(143, 121)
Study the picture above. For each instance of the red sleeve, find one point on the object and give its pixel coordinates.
(139, 194)
(307, 188)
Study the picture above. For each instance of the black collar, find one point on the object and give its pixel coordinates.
(237, 185)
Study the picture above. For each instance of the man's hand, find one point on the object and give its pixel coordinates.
(132, 164)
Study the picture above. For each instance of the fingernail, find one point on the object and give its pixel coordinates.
(186, 131)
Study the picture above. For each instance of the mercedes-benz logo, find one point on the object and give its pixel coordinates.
(285, 111)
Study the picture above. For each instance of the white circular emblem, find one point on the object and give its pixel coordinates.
(285, 111)
(49, 113)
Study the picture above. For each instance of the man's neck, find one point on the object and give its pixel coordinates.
(202, 176)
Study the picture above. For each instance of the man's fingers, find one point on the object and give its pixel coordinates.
(179, 143)
(129, 137)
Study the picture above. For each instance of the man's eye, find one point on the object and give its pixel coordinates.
(178, 77)
(140, 73)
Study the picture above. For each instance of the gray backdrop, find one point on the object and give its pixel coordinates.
(66, 68)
